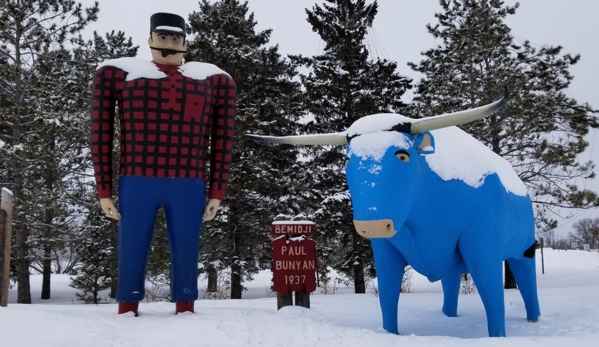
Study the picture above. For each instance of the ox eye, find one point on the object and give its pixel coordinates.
(402, 155)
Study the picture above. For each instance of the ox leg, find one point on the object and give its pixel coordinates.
(451, 292)
(526, 277)
(389, 264)
(485, 266)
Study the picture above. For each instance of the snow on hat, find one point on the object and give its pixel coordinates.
(167, 23)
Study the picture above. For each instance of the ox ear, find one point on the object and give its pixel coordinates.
(425, 143)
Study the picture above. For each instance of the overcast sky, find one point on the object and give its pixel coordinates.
(400, 35)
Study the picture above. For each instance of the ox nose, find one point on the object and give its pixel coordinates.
(380, 228)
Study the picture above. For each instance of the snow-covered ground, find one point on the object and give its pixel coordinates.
(568, 292)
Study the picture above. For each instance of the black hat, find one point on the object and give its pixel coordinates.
(167, 23)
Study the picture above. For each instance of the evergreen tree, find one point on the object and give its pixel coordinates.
(541, 130)
(97, 255)
(93, 272)
(263, 178)
(344, 85)
(29, 28)
(59, 156)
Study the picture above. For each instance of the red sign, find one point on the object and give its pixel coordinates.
(293, 228)
(294, 265)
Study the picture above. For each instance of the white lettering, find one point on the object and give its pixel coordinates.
(293, 229)
(296, 250)
(309, 265)
(294, 265)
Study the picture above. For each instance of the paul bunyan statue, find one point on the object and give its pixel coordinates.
(174, 119)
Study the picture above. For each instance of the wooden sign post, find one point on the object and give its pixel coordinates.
(294, 262)
(5, 233)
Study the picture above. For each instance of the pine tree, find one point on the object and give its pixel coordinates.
(263, 178)
(541, 131)
(29, 28)
(93, 272)
(59, 156)
(99, 252)
(342, 86)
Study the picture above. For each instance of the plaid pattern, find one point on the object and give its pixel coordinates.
(165, 124)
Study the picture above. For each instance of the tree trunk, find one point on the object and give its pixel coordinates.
(236, 287)
(47, 272)
(23, 285)
(48, 217)
(510, 281)
(359, 284)
(212, 279)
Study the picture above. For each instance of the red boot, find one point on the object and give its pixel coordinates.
(184, 306)
(125, 307)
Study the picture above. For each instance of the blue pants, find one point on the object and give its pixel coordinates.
(139, 200)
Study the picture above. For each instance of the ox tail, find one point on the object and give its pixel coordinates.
(530, 252)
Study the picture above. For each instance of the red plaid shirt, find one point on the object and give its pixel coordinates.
(166, 124)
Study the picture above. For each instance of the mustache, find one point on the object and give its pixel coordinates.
(167, 51)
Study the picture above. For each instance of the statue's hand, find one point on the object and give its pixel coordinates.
(211, 209)
(109, 208)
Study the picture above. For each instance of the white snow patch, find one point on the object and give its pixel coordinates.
(374, 145)
(376, 122)
(139, 68)
(567, 292)
(375, 169)
(1, 143)
(200, 71)
(457, 155)
(293, 222)
(135, 68)
(297, 238)
(7, 190)
(455, 146)
(169, 28)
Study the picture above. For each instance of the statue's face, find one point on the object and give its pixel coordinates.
(167, 41)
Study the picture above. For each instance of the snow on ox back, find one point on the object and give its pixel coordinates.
(459, 156)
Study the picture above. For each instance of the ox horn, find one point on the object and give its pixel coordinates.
(456, 118)
(314, 139)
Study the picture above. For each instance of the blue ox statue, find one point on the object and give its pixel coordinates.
(429, 195)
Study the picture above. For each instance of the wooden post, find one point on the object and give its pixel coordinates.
(5, 234)
(302, 299)
(542, 258)
(284, 300)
